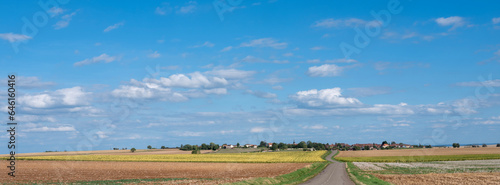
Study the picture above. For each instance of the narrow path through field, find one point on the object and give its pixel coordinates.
(334, 173)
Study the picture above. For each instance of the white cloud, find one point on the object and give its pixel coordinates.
(315, 127)
(11, 37)
(154, 55)
(190, 7)
(265, 42)
(257, 130)
(325, 70)
(114, 26)
(495, 20)
(51, 129)
(101, 58)
(206, 44)
(64, 22)
(74, 96)
(324, 98)
(188, 133)
(192, 80)
(261, 94)
(55, 11)
(289, 54)
(453, 21)
(487, 83)
(229, 48)
(351, 22)
(163, 10)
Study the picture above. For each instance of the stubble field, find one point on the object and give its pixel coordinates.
(73, 171)
(420, 155)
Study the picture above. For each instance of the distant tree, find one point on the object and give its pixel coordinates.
(196, 152)
(132, 149)
(302, 144)
(428, 146)
(238, 145)
(149, 147)
(274, 147)
(163, 147)
(357, 148)
(367, 147)
(384, 142)
(484, 145)
(393, 142)
(309, 144)
(262, 144)
(456, 145)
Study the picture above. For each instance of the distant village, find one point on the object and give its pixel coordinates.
(305, 146)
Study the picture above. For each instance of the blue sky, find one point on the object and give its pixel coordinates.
(98, 75)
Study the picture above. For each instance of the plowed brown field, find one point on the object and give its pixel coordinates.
(70, 171)
(441, 179)
(420, 152)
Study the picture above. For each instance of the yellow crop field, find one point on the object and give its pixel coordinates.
(264, 157)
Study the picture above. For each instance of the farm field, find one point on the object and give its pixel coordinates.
(435, 172)
(447, 178)
(264, 157)
(420, 152)
(420, 155)
(110, 152)
(72, 171)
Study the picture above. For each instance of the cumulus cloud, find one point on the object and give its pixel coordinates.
(114, 26)
(324, 98)
(101, 58)
(74, 96)
(453, 21)
(265, 42)
(11, 37)
(182, 87)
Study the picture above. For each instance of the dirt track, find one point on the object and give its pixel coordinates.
(70, 171)
(334, 173)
